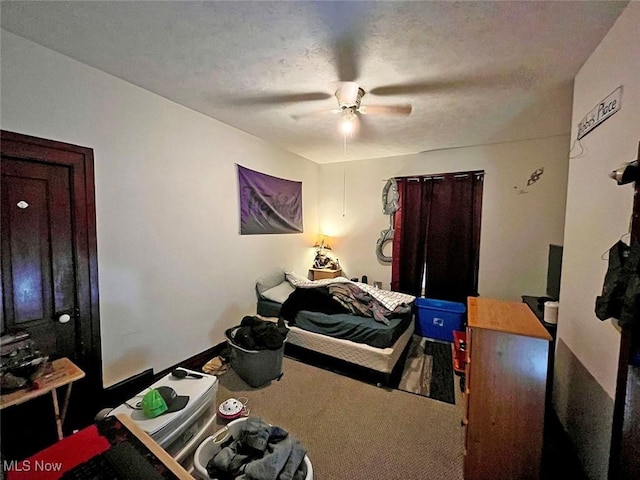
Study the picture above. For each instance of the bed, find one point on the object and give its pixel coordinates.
(354, 340)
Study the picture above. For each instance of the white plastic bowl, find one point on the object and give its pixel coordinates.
(211, 445)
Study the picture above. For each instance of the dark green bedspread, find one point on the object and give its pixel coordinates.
(343, 325)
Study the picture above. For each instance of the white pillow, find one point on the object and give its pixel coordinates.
(270, 280)
(293, 277)
(279, 293)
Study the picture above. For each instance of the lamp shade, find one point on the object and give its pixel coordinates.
(323, 242)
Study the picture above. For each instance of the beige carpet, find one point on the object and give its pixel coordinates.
(353, 430)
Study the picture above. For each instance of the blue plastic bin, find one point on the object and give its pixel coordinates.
(438, 319)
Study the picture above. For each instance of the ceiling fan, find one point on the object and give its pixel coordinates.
(349, 96)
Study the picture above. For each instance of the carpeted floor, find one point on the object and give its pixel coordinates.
(354, 430)
(428, 370)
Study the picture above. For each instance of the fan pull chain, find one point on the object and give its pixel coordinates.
(344, 189)
(344, 178)
(344, 149)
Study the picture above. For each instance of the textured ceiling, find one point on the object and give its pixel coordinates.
(474, 72)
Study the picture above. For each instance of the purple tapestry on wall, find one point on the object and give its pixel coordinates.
(268, 204)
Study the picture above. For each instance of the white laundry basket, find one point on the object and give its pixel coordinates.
(211, 445)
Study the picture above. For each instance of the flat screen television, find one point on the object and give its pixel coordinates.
(554, 271)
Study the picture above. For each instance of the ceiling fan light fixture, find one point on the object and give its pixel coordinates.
(349, 95)
(349, 122)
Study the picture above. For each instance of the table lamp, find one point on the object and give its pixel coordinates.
(322, 260)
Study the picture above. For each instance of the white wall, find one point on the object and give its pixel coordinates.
(171, 263)
(174, 272)
(598, 214)
(516, 228)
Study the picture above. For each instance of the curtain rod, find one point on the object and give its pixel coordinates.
(479, 173)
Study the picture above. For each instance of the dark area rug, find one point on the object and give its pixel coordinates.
(428, 370)
(425, 363)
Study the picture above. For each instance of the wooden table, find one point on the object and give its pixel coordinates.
(322, 273)
(64, 372)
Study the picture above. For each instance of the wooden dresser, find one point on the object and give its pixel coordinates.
(506, 375)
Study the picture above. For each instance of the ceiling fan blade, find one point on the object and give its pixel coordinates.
(402, 110)
(277, 99)
(345, 52)
(407, 88)
(517, 78)
(345, 23)
(316, 113)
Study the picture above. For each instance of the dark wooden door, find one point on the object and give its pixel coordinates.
(38, 261)
(624, 461)
(49, 276)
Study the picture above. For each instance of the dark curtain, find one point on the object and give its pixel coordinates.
(411, 220)
(437, 230)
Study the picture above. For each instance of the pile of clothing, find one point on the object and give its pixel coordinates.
(360, 302)
(257, 334)
(340, 297)
(621, 290)
(259, 452)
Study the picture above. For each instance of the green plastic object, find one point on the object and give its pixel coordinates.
(153, 404)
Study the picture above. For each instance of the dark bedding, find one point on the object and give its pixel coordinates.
(312, 299)
(346, 326)
(353, 327)
(268, 308)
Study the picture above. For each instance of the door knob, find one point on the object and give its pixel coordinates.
(64, 318)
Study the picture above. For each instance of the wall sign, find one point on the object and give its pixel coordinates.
(605, 109)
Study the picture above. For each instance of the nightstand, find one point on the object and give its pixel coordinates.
(321, 273)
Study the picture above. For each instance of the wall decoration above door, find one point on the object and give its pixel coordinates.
(268, 204)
